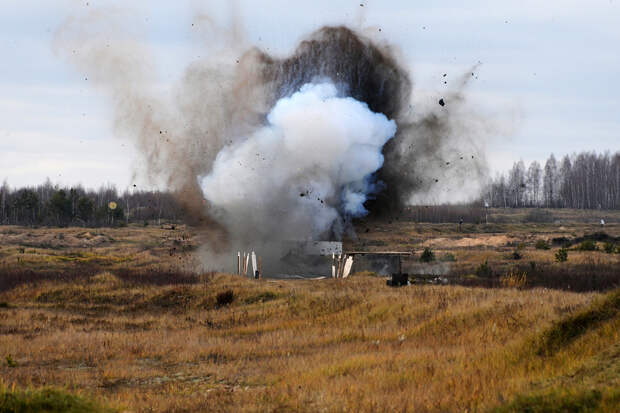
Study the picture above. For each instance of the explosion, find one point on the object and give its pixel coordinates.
(263, 150)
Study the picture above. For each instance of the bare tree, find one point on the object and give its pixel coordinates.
(550, 182)
(534, 174)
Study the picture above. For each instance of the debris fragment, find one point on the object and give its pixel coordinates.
(441, 102)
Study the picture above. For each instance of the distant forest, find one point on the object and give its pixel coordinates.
(49, 204)
(581, 181)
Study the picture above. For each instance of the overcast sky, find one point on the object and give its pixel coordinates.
(549, 73)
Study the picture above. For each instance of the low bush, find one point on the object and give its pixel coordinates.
(225, 298)
(561, 255)
(542, 244)
(588, 245)
(428, 255)
(484, 270)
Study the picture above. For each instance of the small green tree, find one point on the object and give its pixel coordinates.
(542, 244)
(26, 204)
(561, 255)
(85, 208)
(60, 207)
(428, 255)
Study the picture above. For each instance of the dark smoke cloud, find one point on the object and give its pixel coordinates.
(371, 73)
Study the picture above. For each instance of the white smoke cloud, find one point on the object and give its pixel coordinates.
(302, 173)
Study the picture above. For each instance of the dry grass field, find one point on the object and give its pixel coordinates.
(117, 320)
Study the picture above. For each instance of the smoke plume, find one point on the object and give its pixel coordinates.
(307, 169)
(262, 148)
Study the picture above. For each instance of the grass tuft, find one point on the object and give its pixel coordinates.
(47, 400)
(555, 401)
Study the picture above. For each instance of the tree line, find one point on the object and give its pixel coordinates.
(586, 180)
(49, 204)
(582, 181)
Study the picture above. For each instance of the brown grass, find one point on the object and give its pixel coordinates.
(130, 323)
(304, 346)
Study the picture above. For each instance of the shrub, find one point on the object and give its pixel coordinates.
(588, 245)
(428, 255)
(561, 255)
(609, 247)
(484, 270)
(225, 298)
(542, 244)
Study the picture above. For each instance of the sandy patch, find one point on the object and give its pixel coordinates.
(465, 242)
